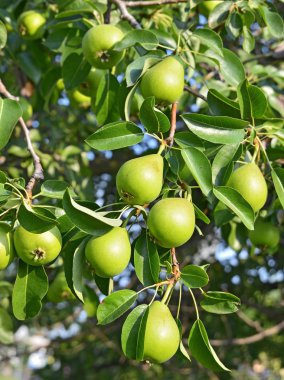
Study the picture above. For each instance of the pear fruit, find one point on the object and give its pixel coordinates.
(165, 81)
(264, 234)
(110, 253)
(171, 222)
(139, 181)
(250, 183)
(162, 337)
(6, 249)
(59, 290)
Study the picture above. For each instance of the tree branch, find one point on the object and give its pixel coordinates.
(38, 170)
(125, 14)
(195, 93)
(249, 339)
(152, 2)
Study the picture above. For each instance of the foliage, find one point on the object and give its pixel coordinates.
(82, 130)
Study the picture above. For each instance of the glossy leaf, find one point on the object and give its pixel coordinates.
(89, 221)
(30, 287)
(145, 38)
(74, 70)
(10, 112)
(54, 189)
(78, 268)
(219, 14)
(36, 219)
(278, 181)
(146, 260)
(201, 348)
(194, 276)
(115, 305)
(221, 166)
(220, 105)
(244, 100)
(216, 129)
(153, 119)
(258, 101)
(220, 302)
(273, 21)
(210, 39)
(200, 168)
(232, 199)
(133, 331)
(115, 135)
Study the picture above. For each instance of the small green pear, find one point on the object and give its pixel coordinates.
(110, 253)
(162, 337)
(90, 86)
(6, 249)
(264, 234)
(165, 81)
(171, 222)
(250, 183)
(59, 290)
(139, 181)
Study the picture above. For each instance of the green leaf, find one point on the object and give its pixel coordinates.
(137, 67)
(249, 41)
(200, 215)
(6, 327)
(74, 70)
(36, 219)
(222, 163)
(273, 21)
(220, 302)
(77, 7)
(117, 135)
(234, 24)
(78, 268)
(194, 276)
(54, 189)
(210, 39)
(187, 139)
(219, 14)
(201, 348)
(106, 106)
(115, 305)
(258, 100)
(3, 35)
(230, 65)
(133, 331)
(200, 168)
(146, 260)
(89, 221)
(145, 38)
(104, 284)
(278, 181)
(30, 287)
(152, 118)
(10, 112)
(220, 105)
(244, 100)
(233, 199)
(216, 129)
(6, 288)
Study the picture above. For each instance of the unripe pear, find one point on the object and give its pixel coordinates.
(139, 181)
(264, 234)
(59, 290)
(110, 253)
(207, 6)
(171, 222)
(90, 86)
(250, 183)
(97, 46)
(6, 249)
(165, 81)
(31, 25)
(162, 337)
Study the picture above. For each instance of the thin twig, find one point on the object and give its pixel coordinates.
(107, 13)
(195, 93)
(152, 2)
(249, 339)
(38, 170)
(170, 139)
(125, 14)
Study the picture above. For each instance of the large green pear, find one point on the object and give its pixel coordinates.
(264, 234)
(162, 337)
(171, 222)
(250, 183)
(165, 81)
(110, 253)
(139, 181)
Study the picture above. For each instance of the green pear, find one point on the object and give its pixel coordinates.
(139, 181)
(59, 290)
(110, 253)
(264, 234)
(171, 222)
(162, 337)
(165, 81)
(6, 249)
(250, 183)
(91, 301)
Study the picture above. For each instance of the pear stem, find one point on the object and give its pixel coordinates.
(179, 300)
(194, 302)
(170, 139)
(167, 293)
(161, 148)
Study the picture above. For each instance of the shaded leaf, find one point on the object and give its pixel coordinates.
(194, 276)
(10, 112)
